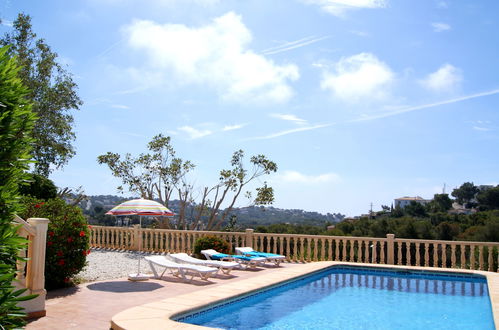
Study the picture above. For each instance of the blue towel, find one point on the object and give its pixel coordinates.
(223, 255)
(262, 254)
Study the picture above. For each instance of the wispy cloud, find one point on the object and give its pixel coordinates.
(289, 117)
(440, 27)
(120, 106)
(483, 129)
(340, 7)
(6, 22)
(297, 177)
(290, 131)
(233, 127)
(195, 133)
(293, 45)
(426, 106)
(360, 33)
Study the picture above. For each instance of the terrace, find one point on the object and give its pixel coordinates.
(138, 304)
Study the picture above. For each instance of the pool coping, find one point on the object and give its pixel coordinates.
(159, 314)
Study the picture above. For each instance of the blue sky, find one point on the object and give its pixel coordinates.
(358, 101)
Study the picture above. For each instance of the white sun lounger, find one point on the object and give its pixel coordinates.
(179, 270)
(271, 257)
(247, 262)
(224, 266)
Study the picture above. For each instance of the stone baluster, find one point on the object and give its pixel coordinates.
(344, 251)
(366, 251)
(453, 255)
(382, 252)
(435, 255)
(408, 256)
(399, 253)
(480, 257)
(426, 255)
(359, 250)
(418, 255)
(463, 255)
(490, 260)
(309, 249)
(316, 249)
(472, 257)
(375, 252)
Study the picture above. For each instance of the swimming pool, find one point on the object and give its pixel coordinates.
(348, 297)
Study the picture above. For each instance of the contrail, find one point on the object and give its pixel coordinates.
(425, 106)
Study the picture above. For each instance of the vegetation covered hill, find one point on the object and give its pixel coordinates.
(95, 208)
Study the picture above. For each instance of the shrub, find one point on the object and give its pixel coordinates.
(16, 124)
(39, 187)
(67, 239)
(210, 242)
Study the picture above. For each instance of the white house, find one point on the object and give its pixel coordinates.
(404, 201)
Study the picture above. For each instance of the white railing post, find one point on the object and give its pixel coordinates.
(390, 248)
(249, 237)
(36, 274)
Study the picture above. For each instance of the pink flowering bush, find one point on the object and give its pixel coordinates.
(67, 239)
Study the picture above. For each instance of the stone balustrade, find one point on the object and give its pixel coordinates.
(306, 248)
(31, 274)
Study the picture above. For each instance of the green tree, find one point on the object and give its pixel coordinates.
(39, 187)
(16, 124)
(415, 209)
(159, 174)
(465, 194)
(488, 199)
(440, 203)
(52, 92)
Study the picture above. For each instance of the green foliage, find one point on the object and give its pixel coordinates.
(465, 194)
(16, 123)
(52, 92)
(159, 174)
(415, 209)
(440, 203)
(67, 239)
(39, 187)
(488, 199)
(210, 242)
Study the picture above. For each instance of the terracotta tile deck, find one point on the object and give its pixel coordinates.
(148, 305)
(92, 305)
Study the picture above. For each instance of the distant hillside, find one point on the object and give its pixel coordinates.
(95, 208)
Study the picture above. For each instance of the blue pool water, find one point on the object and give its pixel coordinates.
(359, 298)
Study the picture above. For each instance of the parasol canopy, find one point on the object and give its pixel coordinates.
(141, 206)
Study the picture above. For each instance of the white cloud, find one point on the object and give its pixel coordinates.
(195, 133)
(440, 27)
(483, 129)
(233, 127)
(216, 55)
(340, 7)
(358, 77)
(443, 4)
(297, 177)
(446, 79)
(120, 106)
(289, 117)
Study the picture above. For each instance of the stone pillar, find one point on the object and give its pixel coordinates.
(36, 276)
(390, 242)
(249, 237)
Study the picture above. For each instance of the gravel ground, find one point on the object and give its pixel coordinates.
(111, 264)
